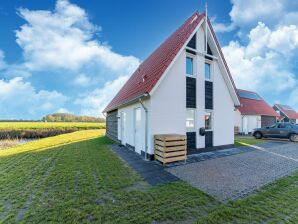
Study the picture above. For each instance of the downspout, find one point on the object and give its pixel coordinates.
(146, 127)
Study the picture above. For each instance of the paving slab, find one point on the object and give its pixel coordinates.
(237, 175)
(152, 172)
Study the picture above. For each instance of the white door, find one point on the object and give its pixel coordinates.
(138, 130)
(122, 126)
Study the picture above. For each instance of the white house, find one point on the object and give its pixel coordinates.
(287, 113)
(253, 112)
(182, 87)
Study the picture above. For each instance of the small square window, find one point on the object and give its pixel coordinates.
(189, 66)
(207, 71)
(190, 120)
(208, 120)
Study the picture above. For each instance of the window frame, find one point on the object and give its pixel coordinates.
(194, 119)
(193, 57)
(211, 118)
(211, 70)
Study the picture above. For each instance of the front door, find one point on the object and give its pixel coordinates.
(138, 130)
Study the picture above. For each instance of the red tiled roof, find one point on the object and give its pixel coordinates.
(255, 107)
(149, 72)
(288, 111)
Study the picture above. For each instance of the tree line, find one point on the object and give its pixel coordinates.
(66, 117)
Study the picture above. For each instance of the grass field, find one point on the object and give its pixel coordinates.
(75, 178)
(49, 125)
(251, 141)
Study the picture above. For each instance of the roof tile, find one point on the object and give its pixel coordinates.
(255, 107)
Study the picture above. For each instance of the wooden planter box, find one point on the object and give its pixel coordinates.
(170, 148)
(236, 130)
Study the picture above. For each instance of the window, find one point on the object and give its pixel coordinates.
(207, 71)
(208, 120)
(190, 120)
(189, 66)
(272, 126)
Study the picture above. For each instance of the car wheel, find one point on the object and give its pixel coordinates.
(258, 135)
(294, 138)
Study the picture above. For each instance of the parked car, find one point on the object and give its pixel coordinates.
(278, 130)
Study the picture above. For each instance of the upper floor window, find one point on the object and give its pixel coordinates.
(189, 66)
(207, 71)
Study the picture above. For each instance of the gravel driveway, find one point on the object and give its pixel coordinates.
(235, 176)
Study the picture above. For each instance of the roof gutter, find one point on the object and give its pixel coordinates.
(144, 96)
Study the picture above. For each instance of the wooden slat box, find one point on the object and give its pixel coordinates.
(170, 148)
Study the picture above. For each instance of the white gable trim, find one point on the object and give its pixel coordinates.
(226, 74)
(175, 59)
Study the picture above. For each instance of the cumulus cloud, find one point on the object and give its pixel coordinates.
(20, 99)
(265, 62)
(246, 14)
(222, 28)
(95, 102)
(62, 43)
(82, 80)
(65, 39)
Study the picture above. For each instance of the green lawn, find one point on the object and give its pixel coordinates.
(75, 178)
(247, 140)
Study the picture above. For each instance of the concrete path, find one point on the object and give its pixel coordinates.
(235, 176)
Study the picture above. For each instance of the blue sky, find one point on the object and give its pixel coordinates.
(73, 56)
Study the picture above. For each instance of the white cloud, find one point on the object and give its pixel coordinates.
(293, 99)
(63, 110)
(252, 11)
(20, 99)
(65, 39)
(246, 14)
(222, 28)
(82, 80)
(62, 43)
(264, 64)
(94, 102)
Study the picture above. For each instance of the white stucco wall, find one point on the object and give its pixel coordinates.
(238, 120)
(250, 122)
(129, 132)
(168, 102)
(223, 122)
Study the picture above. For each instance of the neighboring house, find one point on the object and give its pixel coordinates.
(183, 86)
(288, 113)
(253, 112)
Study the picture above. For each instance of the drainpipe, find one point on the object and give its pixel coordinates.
(146, 126)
